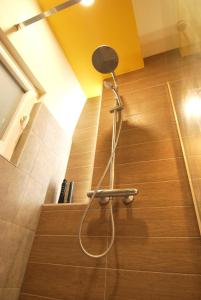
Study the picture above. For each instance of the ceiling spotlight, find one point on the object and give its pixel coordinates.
(87, 2)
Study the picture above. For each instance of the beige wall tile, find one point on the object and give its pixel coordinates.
(22, 194)
(12, 185)
(30, 153)
(16, 244)
(29, 211)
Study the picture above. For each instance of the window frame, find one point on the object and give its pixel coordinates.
(21, 116)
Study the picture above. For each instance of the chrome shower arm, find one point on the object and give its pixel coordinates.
(47, 13)
(115, 81)
(117, 97)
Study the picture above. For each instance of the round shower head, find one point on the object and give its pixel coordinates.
(105, 59)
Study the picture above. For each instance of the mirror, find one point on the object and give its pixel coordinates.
(105, 59)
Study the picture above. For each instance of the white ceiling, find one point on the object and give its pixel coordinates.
(156, 22)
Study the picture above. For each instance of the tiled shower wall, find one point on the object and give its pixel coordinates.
(186, 99)
(157, 250)
(40, 160)
(81, 158)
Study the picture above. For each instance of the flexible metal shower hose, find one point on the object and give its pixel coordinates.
(110, 203)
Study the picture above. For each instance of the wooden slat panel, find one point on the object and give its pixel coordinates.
(67, 283)
(171, 255)
(130, 285)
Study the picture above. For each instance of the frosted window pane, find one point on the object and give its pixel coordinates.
(10, 96)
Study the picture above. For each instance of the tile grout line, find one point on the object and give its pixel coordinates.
(121, 236)
(39, 296)
(119, 269)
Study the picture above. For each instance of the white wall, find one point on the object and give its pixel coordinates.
(157, 25)
(41, 52)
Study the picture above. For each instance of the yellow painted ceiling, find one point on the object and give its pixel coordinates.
(80, 30)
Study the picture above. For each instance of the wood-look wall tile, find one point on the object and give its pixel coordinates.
(141, 120)
(67, 283)
(80, 191)
(97, 173)
(88, 120)
(79, 173)
(171, 255)
(145, 171)
(80, 146)
(83, 133)
(63, 206)
(151, 132)
(146, 100)
(186, 72)
(150, 171)
(81, 159)
(195, 166)
(156, 222)
(133, 133)
(159, 194)
(24, 296)
(130, 285)
(154, 78)
(66, 250)
(68, 222)
(9, 293)
(163, 149)
(149, 151)
(145, 119)
(192, 144)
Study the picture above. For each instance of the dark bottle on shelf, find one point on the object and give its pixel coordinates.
(70, 192)
(63, 191)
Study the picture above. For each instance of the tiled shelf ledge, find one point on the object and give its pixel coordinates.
(63, 206)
